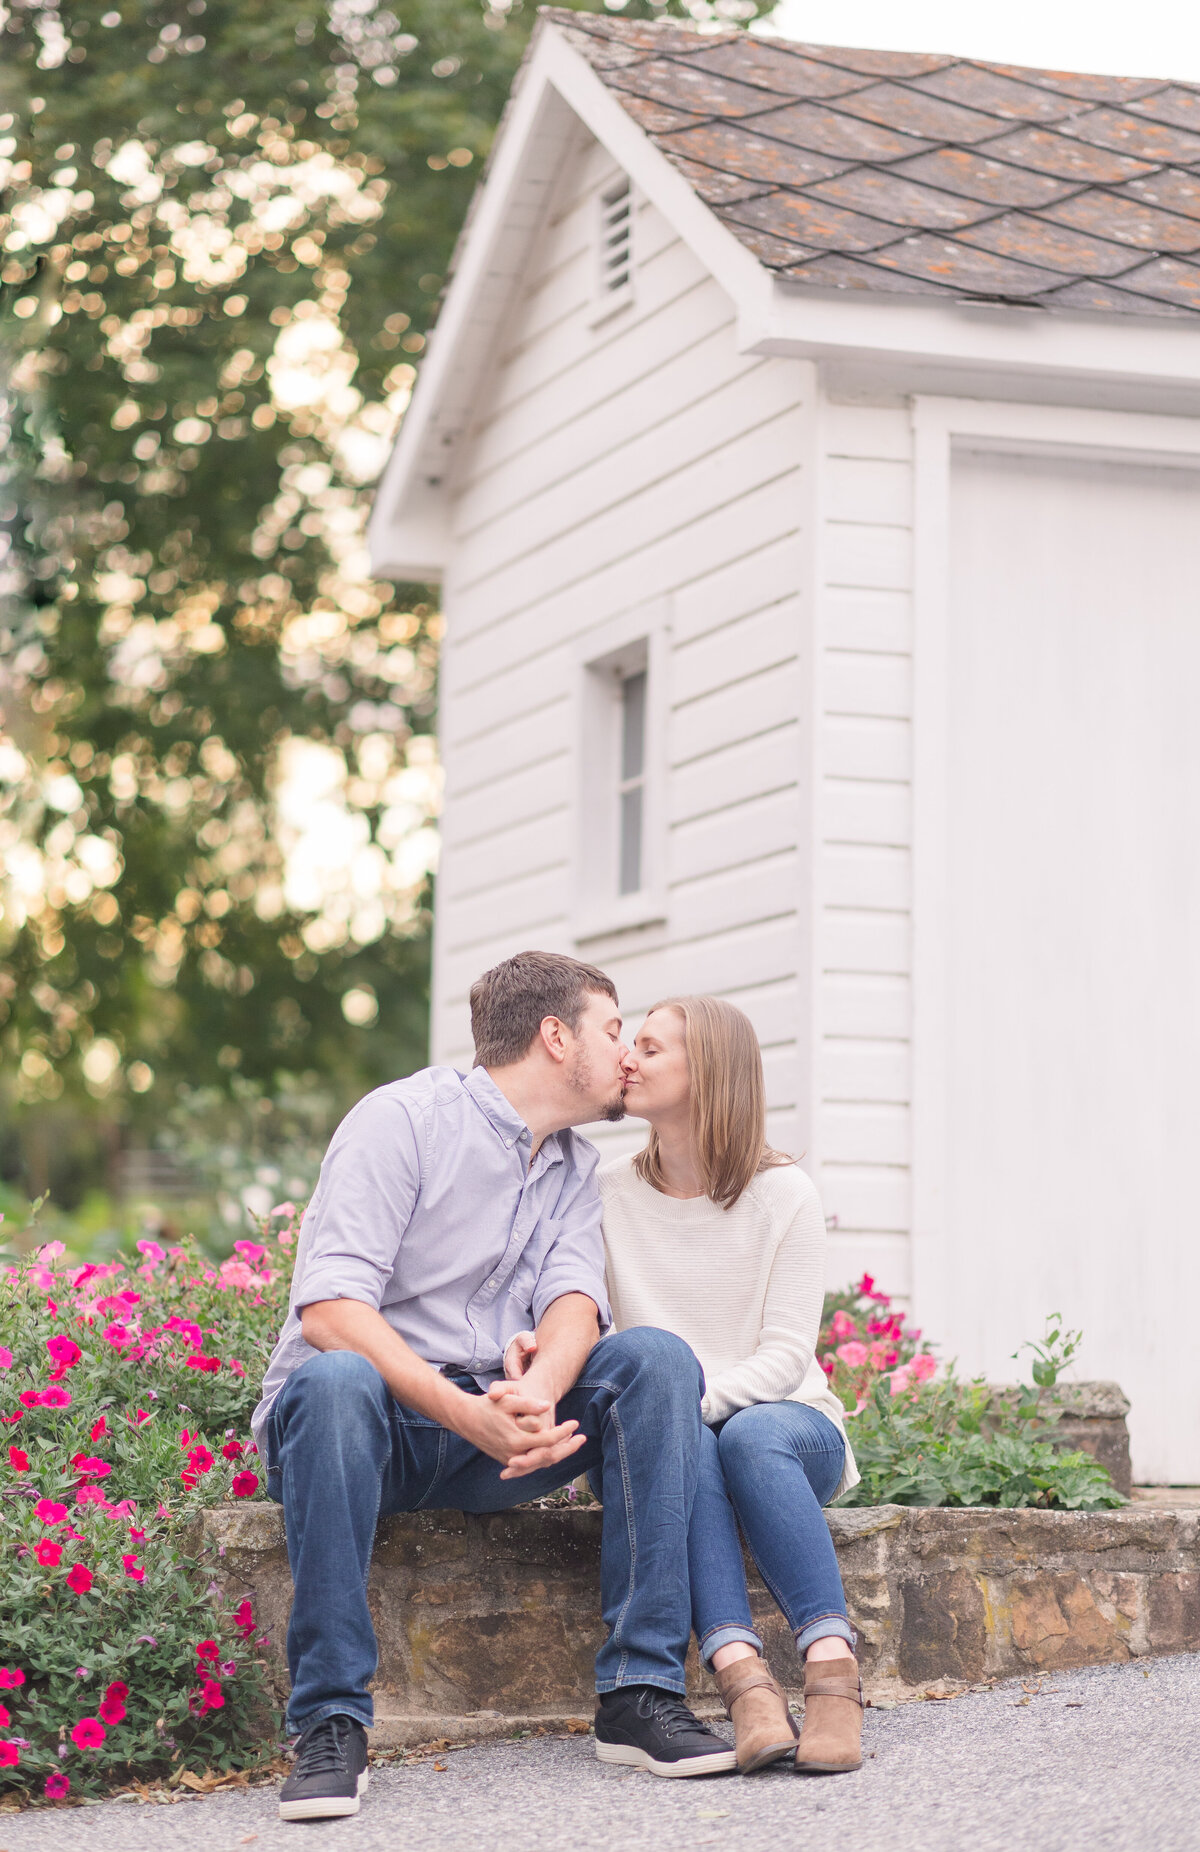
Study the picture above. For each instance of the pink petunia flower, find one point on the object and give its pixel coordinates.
(91, 1467)
(154, 1255)
(136, 1535)
(64, 1351)
(200, 1460)
(49, 1512)
(112, 1705)
(214, 1697)
(10, 1755)
(923, 1367)
(30, 1398)
(132, 1568)
(55, 1398)
(853, 1355)
(18, 1459)
(116, 1334)
(843, 1326)
(232, 1450)
(48, 1554)
(91, 1495)
(245, 1485)
(901, 1380)
(99, 1430)
(80, 1579)
(88, 1733)
(6, 1357)
(11, 1677)
(5, 1719)
(208, 1649)
(243, 1618)
(141, 1415)
(57, 1787)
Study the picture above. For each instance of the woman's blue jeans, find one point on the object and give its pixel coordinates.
(769, 1468)
(342, 1451)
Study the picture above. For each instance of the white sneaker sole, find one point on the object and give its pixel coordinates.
(720, 1762)
(331, 1807)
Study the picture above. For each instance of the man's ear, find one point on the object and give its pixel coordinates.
(554, 1036)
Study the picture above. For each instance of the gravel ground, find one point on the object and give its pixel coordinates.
(1106, 1759)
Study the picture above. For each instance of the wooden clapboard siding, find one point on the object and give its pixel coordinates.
(865, 812)
(643, 462)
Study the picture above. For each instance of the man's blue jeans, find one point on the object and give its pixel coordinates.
(342, 1452)
(770, 1468)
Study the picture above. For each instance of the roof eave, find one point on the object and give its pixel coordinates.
(409, 532)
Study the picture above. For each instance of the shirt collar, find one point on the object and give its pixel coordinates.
(504, 1117)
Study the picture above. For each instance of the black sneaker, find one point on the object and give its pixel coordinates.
(330, 1771)
(647, 1728)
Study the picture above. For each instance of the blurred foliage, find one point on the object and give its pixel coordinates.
(228, 224)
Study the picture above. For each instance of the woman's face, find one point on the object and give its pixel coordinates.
(656, 1071)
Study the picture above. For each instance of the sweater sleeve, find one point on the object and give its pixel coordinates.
(791, 1320)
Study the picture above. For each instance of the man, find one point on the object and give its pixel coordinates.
(452, 1213)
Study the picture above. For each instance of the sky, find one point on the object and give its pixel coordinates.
(1158, 38)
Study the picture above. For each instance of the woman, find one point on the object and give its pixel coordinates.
(712, 1235)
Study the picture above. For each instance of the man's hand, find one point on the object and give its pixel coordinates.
(518, 1430)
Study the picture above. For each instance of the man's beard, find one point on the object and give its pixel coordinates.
(582, 1082)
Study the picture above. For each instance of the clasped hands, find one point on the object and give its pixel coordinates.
(516, 1422)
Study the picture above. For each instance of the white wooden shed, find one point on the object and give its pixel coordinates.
(809, 450)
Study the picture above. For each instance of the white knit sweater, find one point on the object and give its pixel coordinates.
(743, 1286)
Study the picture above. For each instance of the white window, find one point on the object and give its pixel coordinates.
(618, 872)
(614, 248)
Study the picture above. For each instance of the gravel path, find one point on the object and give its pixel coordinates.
(1104, 1760)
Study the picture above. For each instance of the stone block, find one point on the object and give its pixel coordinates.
(943, 1631)
(1056, 1623)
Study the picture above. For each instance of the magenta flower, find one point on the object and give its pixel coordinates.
(853, 1355)
(112, 1705)
(245, 1485)
(243, 1619)
(11, 1677)
(200, 1460)
(5, 1719)
(116, 1335)
(90, 1466)
(64, 1351)
(18, 1459)
(6, 1357)
(208, 1649)
(57, 1787)
(99, 1430)
(80, 1579)
(232, 1450)
(88, 1733)
(923, 1367)
(843, 1326)
(10, 1755)
(48, 1554)
(49, 1512)
(132, 1568)
(55, 1398)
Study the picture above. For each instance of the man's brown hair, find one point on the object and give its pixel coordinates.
(510, 1002)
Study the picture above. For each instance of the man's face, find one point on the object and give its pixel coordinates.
(595, 1065)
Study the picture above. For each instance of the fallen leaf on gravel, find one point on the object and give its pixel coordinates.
(441, 1767)
(578, 1726)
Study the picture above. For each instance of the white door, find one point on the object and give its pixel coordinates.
(1073, 916)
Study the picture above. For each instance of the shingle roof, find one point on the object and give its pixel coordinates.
(936, 176)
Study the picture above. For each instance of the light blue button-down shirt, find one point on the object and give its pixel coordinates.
(428, 1209)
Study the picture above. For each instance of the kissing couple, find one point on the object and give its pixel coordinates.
(480, 1312)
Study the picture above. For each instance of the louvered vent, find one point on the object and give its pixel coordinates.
(616, 225)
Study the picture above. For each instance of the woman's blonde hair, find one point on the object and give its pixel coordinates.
(728, 1100)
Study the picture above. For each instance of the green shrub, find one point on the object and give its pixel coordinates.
(126, 1395)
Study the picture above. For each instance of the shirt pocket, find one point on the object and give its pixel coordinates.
(533, 1257)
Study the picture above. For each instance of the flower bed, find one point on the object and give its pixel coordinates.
(125, 1394)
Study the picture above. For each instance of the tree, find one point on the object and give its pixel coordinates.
(228, 227)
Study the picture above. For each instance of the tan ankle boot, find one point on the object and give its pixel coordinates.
(756, 1706)
(831, 1739)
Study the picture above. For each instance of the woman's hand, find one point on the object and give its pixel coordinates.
(519, 1355)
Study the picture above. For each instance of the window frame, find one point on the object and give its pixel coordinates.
(605, 658)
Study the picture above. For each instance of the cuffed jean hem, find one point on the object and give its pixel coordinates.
(825, 1627)
(605, 1685)
(366, 1718)
(718, 1637)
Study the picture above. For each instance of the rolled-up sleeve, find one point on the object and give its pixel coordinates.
(364, 1200)
(574, 1262)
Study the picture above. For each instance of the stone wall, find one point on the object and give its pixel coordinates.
(490, 1623)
